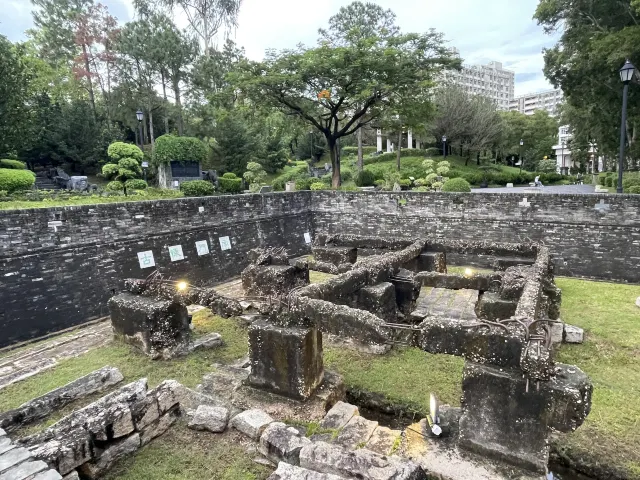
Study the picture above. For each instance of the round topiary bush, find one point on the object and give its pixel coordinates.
(120, 150)
(317, 186)
(635, 189)
(365, 178)
(230, 184)
(13, 180)
(115, 186)
(456, 185)
(12, 164)
(229, 175)
(136, 184)
(197, 188)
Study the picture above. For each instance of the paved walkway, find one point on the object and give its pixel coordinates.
(561, 189)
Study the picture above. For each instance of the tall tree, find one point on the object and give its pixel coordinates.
(339, 89)
(13, 92)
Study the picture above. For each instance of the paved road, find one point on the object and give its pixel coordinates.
(566, 189)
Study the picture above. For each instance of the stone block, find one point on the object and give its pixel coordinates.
(252, 423)
(66, 454)
(5, 444)
(362, 463)
(492, 307)
(356, 433)
(207, 342)
(384, 441)
(43, 406)
(285, 360)
(274, 280)
(454, 281)
(504, 421)
(378, 299)
(72, 476)
(513, 282)
(407, 291)
(159, 427)
(573, 334)
(106, 459)
(335, 255)
(212, 419)
(492, 345)
(48, 475)
(339, 415)
(12, 458)
(280, 442)
(159, 328)
(557, 331)
(291, 472)
(432, 262)
(24, 471)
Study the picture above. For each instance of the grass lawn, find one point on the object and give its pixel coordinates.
(610, 355)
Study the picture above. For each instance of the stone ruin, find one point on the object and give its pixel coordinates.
(504, 324)
(152, 315)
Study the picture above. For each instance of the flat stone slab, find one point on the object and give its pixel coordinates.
(212, 419)
(251, 422)
(356, 433)
(573, 334)
(12, 458)
(339, 416)
(384, 441)
(291, 472)
(280, 442)
(5, 445)
(443, 302)
(48, 475)
(24, 470)
(206, 342)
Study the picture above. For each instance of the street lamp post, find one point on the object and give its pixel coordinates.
(521, 159)
(444, 146)
(562, 145)
(311, 144)
(626, 75)
(140, 116)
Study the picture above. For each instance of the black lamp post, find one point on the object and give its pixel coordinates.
(140, 116)
(626, 75)
(444, 146)
(521, 159)
(311, 144)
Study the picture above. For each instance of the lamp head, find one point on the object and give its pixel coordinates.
(139, 115)
(627, 72)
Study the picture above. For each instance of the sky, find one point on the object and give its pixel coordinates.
(482, 30)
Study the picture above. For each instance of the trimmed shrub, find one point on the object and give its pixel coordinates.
(404, 182)
(386, 157)
(547, 166)
(630, 179)
(136, 184)
(611, 182)
(432, 152)
(317, 186)
(230, 185)
(420, 189)
(301, 171)
(379, 183)
(456, 185)
(602, 177)
(365, 178)
(635, 189)
(120, 150)
(347, 175)
(197, 188)
(229, 175)
(368, 150)
(169, 148)
(305, 183)
(12, 164)
(349, 188)
(115, 186)
(13, 180)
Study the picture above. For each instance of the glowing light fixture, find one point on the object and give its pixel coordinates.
(434, 417)
(182, 286)
(468, 272)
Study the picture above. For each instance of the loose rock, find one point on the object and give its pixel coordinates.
(251, 422)
(291, 472)
(212, 419)
(573, 334)
(282, 443)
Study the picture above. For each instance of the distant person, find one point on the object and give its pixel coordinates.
(537, 182)
(579, 179)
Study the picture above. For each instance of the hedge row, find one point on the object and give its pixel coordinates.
(12, 164)
(197, 188)
(12, 180)
(169, 148)
(230, 183)
(354, 150)
(405, 152)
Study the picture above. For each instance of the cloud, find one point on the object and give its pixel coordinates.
(483, 31)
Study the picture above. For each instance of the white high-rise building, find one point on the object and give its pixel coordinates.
(548, 100)
(490, 80)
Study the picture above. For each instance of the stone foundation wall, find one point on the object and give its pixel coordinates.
(59, 266)
(586, 238)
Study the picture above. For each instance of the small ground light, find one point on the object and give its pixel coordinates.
(433, 417)
(182, 285)
(468, 272)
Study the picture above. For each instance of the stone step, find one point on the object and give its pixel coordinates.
(339, 416)
(356, 433)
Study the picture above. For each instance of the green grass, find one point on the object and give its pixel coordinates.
(182, 454)
(188, 370)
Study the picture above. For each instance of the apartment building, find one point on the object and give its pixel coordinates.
(548, 100)
(490, 80)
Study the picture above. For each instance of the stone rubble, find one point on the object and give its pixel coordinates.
(17, 463)
(291, 472)
(212, 419)
(281, 443)
(573, 334)
(252, 423)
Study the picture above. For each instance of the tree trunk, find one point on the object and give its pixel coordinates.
(335, 161)
(399, 149)
(360, 155)
(478, 159)
(176, 93)
(151, 139)
(166, 102)
(87, 66)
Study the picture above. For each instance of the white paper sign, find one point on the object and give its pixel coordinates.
(202, 247)
(307, 237)
(225, 243)
(146, 259)
(175, 253)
